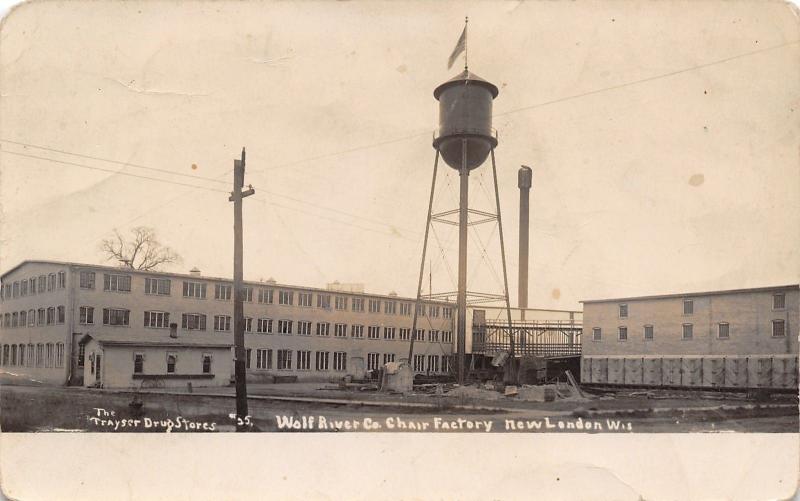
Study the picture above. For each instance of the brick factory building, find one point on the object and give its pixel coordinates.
(52, 311)
(744, 338)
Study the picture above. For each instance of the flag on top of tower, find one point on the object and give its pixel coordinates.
(461, 46)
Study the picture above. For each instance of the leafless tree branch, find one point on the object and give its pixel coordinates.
(142, 251)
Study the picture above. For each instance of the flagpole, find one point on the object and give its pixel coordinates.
(466, 46)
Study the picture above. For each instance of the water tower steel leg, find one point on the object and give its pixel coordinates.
(505, 274)
(462, 263)
(422, 264)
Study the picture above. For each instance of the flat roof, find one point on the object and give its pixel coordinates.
(194, 340)
(776, 288)
(218, 279)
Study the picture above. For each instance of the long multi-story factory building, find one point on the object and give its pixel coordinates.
(51, 310)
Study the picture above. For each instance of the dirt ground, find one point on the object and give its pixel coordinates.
(38, 408)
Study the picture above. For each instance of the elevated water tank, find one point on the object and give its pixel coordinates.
(465, 113)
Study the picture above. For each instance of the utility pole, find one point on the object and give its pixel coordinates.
(238, 292)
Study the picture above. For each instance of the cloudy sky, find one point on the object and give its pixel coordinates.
(663, 138)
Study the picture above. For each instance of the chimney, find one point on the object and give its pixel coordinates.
(195, 272)
(524, 181)
(173, 330)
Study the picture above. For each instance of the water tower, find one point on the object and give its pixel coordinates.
(465, 139)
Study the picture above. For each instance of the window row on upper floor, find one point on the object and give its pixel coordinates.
(778, 303)
(778, 329)
(121, 282)
(34, 317)
(47, 355)
(33, 285)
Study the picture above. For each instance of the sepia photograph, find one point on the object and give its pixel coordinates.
(521, 227)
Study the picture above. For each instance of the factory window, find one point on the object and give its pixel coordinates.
(374, 306)
(778, 328)
(49, 350)
(222, 292)
(40, 355)
(112, 316)
(265, 296)
(322, 358)
(22, 355)
(263, 359)
(389, 333)
(688, 306)
(374, 332)
(405, 334)
(323, 329)
(623, 310)
(193, 321)
(723, 330)
(339, 361)
(285, 297)
(14, 319)
(23, 318)
(358, 304)
(304, 299)
(648, 332)
(13, 354)
(60, 315)
(284, 326)
(194, 289)
(138, 363)
(420, 335)
(87, 280)
(303, 328)
(778, 301)
(59, 354)
(390, 307)
(435, 311)
(447, 337)
(222, 322)
(40, 313)
(388, 357)
(433, 336)
(340, 330)
(623, 333)
(157, 286)
(248, 324)
(688, 331)
(171, 360)
(285, 360)
(6, 351)
(116, 283)
(51, 316)
(42, 283)
(433, 363)
(324, 301)
(23, 288)
(6, 320)
(445, 363)
(264, 326)
(303, 360)
(247, 353)
(405, 309)
(247, 294)
(373, 360)
(340, 302)
(421, 310)
(156, 319)
(51, 281)
(62, 280)
(447, 312)
(81, 354)
(31, 318)
(419, 363)
(357, 331)
(15, 290)
(206, 363)
(32, 284)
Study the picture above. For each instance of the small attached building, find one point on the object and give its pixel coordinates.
(155, 360)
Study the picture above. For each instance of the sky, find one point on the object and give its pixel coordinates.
(663, 138)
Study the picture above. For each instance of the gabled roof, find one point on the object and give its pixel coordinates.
(195, 340)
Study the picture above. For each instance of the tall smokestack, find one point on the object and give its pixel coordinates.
(524, 181)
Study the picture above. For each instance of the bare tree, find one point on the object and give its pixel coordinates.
(141, 252)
